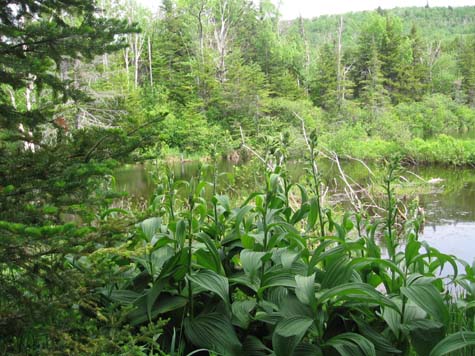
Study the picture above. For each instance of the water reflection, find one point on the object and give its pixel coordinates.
(456, 239)
(449, 205)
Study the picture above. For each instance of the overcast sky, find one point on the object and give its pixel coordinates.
(291, 9)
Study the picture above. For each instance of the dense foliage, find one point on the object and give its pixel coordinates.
(227, 67)
(52, 176)
(87, 86)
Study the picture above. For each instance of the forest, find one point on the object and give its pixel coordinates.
(202, 267)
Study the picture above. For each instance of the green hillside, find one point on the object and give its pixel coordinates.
(435, 23)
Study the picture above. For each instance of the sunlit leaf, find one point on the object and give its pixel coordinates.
(428, 298)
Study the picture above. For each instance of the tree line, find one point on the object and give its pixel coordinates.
(221, 66)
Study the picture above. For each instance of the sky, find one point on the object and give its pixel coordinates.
(291, 9)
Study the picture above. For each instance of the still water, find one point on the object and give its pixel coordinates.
(448, 203)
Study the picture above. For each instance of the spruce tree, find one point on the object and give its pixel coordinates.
(392, 64)
(374, 96)
(466, 64)
(324, 86)
(417, 71)
(51, 192)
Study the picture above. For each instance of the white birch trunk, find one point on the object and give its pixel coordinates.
(149, 42)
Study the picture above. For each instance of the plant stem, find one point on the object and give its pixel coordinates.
(316, 182)
(190, 240)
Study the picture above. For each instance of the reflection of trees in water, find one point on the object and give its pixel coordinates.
(449, 207)
(451, 201)
(455, 201)
(134, 180)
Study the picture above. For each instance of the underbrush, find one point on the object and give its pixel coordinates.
(442, 149)
(277, 274)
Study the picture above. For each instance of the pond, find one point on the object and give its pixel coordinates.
(448, 203)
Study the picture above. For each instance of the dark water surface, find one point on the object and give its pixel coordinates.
(449, 202)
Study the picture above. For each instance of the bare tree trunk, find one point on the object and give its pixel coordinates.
(105, 59)
(126, 59)
(136, 60)
(30, 86)
(199, 17)
(221, 37)
(339, 76)
(137, 47)
(434, 53)
(200, 33)
(307, 54)
(76, 85)
(149, 42)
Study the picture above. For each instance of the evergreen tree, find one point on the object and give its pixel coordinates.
(466, 63)
(324, 87)
(374, 95)
(417, 71)
(391, 55)
(371, 37)
(51, 192)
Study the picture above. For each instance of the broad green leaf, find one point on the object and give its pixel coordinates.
(337, 272)
(223, 200)
(347, 223)
(277, 295)
(241, 310)
(379, 341)
(152, 295)
(305, 289)
(123, 296)
(392, 317)
(180, 233)
(276, 278)
(412, 250)
(428, 298)
(251, 262)
(212, 250)
(252, 346)
(288, 257)
(154, 262)
(304, 349)
(425, 334)
(362, 262)
(312, 214)
(351, 344)
(212, 282)
(453, 343)
(204, 259)
(241, 212)
(285, 346)
(165, 304)
(214, 332)
(244, 280)
(293, 326)
(150, 226)
(336, 252)
(356, 290)
(299, 214)
(290, 306)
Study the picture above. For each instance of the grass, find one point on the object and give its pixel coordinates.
(442, 149)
